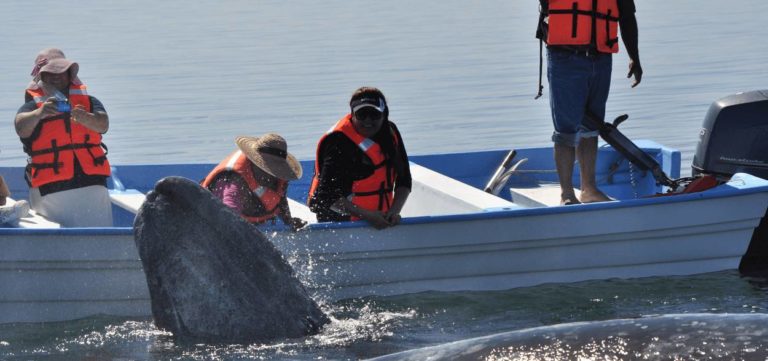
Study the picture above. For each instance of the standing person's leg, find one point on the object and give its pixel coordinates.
(564, 158)
(568, 76)
(587, 155)
(600, 84)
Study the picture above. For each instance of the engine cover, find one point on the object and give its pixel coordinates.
(734, 136)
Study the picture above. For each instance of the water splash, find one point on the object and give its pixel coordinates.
(355, 322)
(311, 266)
(92, 337)
(361, 320)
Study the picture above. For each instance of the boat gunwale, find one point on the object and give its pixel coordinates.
(723, 191)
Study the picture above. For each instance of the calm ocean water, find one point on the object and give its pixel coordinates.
(181, 79)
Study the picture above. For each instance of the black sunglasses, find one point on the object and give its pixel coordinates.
(368, 113)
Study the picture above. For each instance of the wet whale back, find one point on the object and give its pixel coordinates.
(214, 277)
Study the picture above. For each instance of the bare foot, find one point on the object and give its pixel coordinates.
(568, 199)
(594, 196)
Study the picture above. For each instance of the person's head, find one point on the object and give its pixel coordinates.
(59, 73)
(369, 110)
(270, 154)
(370, 113)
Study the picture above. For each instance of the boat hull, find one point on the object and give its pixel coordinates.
(57, 275)
(69, 273)
(518, 249)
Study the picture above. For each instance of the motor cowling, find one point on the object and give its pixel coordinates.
(734, 136)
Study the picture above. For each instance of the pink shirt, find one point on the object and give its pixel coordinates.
(234, 193)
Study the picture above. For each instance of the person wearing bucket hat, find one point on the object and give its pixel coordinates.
(61, 129)
(361, 169)
(253, 180)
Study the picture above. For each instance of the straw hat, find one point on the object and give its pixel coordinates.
(269, 152)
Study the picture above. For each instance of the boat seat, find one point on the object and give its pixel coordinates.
(129, 199)
(32, 219)
(542, 195)
(433, 193)
(300, 210)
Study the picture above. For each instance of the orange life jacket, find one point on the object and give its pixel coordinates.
(57, 141)
(573, 22)
(268, 197)
(372, 193)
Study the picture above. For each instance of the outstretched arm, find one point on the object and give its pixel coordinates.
(375, 218)
(285, 215)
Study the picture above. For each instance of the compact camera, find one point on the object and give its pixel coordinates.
(63, 106)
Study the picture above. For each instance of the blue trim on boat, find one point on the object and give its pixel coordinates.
(463, 167)
(722, 191)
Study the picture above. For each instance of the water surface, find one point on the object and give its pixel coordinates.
(181, 79)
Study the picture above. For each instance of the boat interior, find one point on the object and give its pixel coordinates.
(443, 184)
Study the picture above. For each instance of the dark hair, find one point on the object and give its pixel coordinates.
(385, 134)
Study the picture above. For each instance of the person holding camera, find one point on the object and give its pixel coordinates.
(60, 129)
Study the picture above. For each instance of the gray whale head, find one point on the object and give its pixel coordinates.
(212, 276)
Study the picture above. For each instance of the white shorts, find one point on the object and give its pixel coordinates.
(80, 207)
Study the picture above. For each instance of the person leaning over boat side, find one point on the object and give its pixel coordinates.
(253, 180)
(579, 47)
(60, 129)
(361, 169)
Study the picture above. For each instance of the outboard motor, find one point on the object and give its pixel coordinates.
(734, 138)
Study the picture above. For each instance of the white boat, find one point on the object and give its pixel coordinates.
(454, 236)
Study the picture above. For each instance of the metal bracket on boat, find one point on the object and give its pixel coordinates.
(497, 174)
(502, 180)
